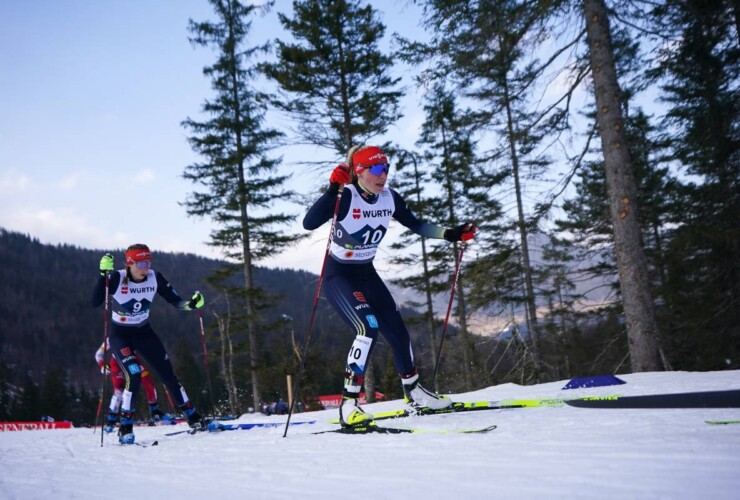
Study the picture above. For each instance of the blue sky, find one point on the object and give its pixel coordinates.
(92, 94)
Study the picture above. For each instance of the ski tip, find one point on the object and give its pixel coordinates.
(478, 431)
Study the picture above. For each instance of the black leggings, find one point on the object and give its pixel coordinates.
(364, 302)
(126, 342)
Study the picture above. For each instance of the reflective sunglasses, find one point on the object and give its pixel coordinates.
(379, 169)
(143, 264)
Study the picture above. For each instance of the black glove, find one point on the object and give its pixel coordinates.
(196, 301)
(463, 232)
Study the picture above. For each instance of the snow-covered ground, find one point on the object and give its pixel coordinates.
(550, 452)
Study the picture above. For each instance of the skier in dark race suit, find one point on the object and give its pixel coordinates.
(132, 292)
(353, 286)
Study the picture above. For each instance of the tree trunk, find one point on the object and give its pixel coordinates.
(642, 328)
(227, 357)
(247, 257)
(254, 360)
(531, 302)
(468, 345)
(427, 281)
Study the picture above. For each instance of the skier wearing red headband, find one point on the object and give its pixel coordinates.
(132, 292)
(353, 286)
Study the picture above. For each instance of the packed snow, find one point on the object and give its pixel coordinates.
(546, 452)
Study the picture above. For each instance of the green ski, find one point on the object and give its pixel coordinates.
(459, 407)
(722, 422)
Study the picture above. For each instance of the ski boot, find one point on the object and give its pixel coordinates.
(110, 422)
(157, 415)
(126, 429)
(419, 398)
(195, 421)
(351, 415)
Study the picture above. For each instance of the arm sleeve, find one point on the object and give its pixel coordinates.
(168, 293)
(98, 295)
(323, 209)
(405, 216)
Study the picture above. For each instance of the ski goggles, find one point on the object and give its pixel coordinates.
(379, 169)
(143, 264)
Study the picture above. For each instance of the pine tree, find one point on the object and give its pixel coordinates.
(447, 144)
(588, 224)
(238, 175)
(482, 47)
(55, 395)
(697, 69)
(558, 287)
(335, 81)
(588, 232)
(7, 398)
(639, 309)
(28, 407)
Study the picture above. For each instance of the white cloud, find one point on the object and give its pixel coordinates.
(57, 226)
(12, 181)
(71, 181)
(144, 176)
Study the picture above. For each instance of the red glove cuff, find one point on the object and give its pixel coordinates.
(340, 175)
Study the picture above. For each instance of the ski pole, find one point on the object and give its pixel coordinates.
(447, 317)
(205, 360)
(297, 382)
(173, 408)
(106, 309)
(97, 413)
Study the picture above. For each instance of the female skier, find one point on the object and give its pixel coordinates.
(353, 286)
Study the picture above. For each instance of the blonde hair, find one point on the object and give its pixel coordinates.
(351, 164)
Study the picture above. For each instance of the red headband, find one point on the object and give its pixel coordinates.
(138, 255)
(367, 157)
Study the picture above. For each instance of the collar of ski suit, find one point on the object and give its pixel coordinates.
(366, 195)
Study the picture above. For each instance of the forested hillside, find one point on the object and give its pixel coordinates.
(49, 331)
(47, 322)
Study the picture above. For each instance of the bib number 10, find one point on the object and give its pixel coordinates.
(374, 237)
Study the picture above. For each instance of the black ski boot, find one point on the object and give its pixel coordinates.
(195, 421)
